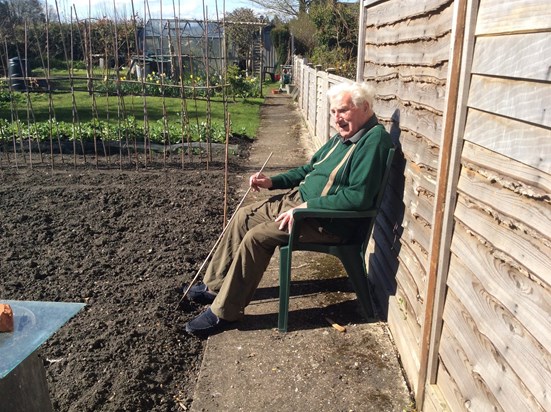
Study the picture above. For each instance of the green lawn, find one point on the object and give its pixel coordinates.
(244, 113)
(35, 106)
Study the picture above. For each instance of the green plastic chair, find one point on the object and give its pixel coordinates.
(351, 254)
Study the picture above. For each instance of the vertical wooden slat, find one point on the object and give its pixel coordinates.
(315, 102)
(468, 50)
(361, 44)
(441, 192)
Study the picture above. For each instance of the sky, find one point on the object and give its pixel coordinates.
(185, 9)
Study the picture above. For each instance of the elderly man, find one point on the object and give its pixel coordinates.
(344, 174)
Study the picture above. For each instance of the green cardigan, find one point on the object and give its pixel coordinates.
(342, 175)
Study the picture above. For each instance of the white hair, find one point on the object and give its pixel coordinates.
(360, 93)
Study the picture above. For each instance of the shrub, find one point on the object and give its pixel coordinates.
(240, 85)
(4, 93)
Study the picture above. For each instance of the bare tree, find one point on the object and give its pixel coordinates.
(26, 10)
(285, 9)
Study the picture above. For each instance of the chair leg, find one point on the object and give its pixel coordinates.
(355, 268)
(284, 287)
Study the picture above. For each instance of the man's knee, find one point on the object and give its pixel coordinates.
(241, 216)
(266, 236)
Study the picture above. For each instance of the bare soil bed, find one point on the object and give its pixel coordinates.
(123, 242)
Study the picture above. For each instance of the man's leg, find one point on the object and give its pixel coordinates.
(232, 255)
(247, 262)
(250, 263)
(245, 219)
(246, 271)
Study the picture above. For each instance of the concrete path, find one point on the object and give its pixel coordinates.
(313, 367)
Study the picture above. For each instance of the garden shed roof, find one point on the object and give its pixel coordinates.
(186, 28)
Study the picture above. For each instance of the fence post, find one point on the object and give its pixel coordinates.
(309, 100)
(325, 106)
(316, 100)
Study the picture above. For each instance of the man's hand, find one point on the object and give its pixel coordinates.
(260, 181)
(285, 219)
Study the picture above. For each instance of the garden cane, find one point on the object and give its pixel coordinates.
(220, 237)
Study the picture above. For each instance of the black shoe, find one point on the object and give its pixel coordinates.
(205, 324)
(200, 294)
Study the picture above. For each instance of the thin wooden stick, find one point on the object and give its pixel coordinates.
(146, 131)
(86, 45)
(121, 109)
(226, 153)
(207, 80)
(166, 139)
(184, 120)
(220, 237)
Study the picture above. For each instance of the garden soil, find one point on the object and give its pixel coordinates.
(125, 241)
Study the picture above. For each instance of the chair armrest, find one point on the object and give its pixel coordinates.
(301, 214)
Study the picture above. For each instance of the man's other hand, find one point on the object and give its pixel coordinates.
(285, 219)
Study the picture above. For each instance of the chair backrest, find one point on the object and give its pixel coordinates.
(384, 180)
(366, 233)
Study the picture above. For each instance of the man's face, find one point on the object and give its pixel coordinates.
(348, 118)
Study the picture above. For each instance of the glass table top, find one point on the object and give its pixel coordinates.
(34, 322)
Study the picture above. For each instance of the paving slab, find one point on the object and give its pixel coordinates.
(314, 366)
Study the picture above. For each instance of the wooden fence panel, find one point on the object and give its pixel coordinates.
(515, 291)
(509, 238)
(406, 59)
(506, 293)
(390, 12)
(490, 339)
(528, 103)
(463, 388)
(499, 17)
(322, 107)
(516, 176)
(499, 355)
(406, 55)
(525, 213)
(495, 341)
(313, 102)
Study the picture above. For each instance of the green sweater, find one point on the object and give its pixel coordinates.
(342, 175)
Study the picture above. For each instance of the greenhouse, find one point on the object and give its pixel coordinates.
(165, 45)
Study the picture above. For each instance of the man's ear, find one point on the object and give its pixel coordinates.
(367, 108)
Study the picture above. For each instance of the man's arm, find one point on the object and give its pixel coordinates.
(294, 177)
